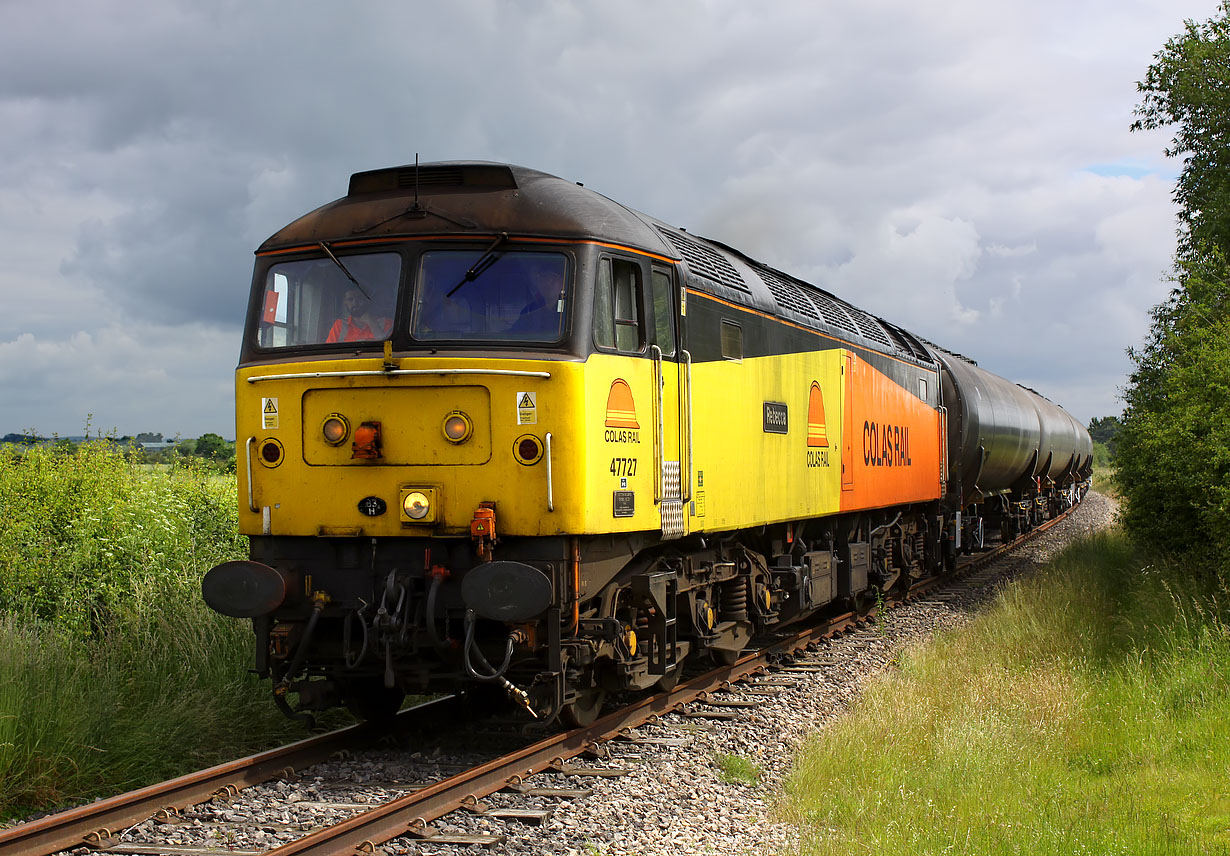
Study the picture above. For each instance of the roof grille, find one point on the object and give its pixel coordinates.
(704, 261)
(787, 293)
(869, 326)
(435, 179)
(807, 300)
(834, 311)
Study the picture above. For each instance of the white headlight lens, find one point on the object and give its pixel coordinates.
(416, 505)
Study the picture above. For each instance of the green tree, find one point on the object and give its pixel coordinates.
(1188, 88)
(211, 446)
(1173, 452)
(1104, 430)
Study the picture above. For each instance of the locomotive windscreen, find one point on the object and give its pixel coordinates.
(471, 295)
(321, 301)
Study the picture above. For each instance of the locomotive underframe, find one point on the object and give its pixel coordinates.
(367, 620)
(383, 617)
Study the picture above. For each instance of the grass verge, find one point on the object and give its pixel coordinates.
(1086, 713)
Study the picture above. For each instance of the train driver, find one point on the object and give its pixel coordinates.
(540, 318)
(360, 320)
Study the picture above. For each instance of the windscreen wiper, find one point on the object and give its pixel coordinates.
(349, 275)
(486, 260)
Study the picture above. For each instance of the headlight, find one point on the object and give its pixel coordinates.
(416, 505)
(335, 429)
(457, 427)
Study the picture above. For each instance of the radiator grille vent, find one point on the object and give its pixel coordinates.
(788, 294)
(704, 261)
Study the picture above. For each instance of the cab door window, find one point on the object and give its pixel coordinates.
(618, 298)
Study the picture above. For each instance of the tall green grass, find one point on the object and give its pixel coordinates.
(1086, 713)
(113, 673)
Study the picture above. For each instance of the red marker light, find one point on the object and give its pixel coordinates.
(366, 445)
(528, 449)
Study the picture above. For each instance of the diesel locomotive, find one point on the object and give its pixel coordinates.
(496, 429)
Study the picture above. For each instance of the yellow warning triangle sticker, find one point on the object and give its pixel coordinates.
(525, 401)
(270, 406)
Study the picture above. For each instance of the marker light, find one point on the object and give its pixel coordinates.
(457, 427)
(335, 429)
(271, 452)
(366, 445)
(527, 449)
(416, 505)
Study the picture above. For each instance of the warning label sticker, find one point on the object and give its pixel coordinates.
(527, 408)
(269, 413)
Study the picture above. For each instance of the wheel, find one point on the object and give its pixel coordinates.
(585, 709)
(372, 701)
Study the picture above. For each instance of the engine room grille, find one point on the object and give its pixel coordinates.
(704, 261)
(787, 294)
(834, 312)
(870, 327)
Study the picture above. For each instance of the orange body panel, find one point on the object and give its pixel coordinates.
(891, 449)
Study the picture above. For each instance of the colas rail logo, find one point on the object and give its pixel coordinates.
(621, 424)
(817, 430)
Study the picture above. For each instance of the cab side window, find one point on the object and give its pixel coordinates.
(618, 299)
(663, 312)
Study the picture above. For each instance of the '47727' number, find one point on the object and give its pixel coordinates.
(623, 467)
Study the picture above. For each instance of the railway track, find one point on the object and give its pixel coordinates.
(410, 808)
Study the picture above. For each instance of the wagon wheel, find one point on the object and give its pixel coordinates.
(585, 709)
(372, 701)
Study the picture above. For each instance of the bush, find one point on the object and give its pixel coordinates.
(83, 532)
(113, 672)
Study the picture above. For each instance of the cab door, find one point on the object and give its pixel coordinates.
(672, 403)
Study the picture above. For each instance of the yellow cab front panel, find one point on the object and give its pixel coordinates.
(314, 487)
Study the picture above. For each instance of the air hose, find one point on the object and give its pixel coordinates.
(518, 695)
(279, 692)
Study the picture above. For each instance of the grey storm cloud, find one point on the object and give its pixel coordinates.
(961, 168)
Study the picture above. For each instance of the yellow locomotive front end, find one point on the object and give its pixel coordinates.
(410, 417)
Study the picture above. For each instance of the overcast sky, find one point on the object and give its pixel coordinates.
(960, 167)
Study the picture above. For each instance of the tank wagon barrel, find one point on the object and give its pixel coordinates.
(1002, 436)
(499, 430)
